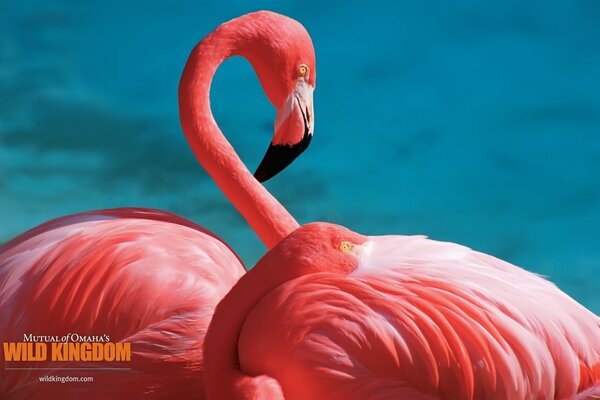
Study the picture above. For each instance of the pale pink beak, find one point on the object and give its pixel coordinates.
(293, 132)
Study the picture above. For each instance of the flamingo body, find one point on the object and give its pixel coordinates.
(141, 276)
(412, 318)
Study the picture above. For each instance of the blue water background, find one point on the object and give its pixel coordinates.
(469, 121)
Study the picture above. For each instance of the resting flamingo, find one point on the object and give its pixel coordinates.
(149, 277)
(332, 314)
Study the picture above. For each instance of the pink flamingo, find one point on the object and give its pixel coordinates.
(332, 314)
(149, 277)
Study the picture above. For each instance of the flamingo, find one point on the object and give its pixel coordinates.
(149, 277)
(329, 313)
(332, 314)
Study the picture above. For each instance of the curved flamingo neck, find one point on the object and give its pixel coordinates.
(267, 217)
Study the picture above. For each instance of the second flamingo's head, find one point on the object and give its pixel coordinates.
(284, 60)
(317, 247)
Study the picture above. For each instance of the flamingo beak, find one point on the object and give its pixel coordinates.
(293, 132)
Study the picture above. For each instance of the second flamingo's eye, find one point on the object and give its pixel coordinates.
(346, 247)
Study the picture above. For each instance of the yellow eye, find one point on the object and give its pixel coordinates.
(302, 70)
(346, 247)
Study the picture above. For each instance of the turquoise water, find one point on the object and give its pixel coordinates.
(469, 122)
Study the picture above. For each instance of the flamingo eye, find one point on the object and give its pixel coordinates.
(303, 70)
(346, 247)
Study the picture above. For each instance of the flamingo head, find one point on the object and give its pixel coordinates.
(318, 247)
(284, 62)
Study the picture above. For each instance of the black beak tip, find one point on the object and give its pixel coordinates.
(278, 157)
(261, 175)
(275, 160)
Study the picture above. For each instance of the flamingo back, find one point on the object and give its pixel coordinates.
(422, 319)
(140, 276)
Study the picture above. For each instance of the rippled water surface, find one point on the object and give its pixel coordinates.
(463, 121)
